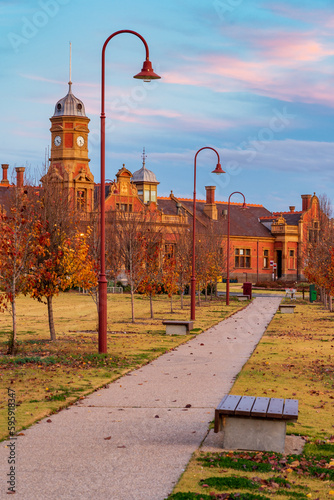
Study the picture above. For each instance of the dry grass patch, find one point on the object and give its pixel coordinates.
(294, 360)
(47, 376)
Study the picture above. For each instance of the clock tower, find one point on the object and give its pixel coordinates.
(69, 162)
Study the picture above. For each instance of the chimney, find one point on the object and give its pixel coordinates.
(306, 202)
(4, 174)
(292, 208)
(19, 176)
(210, 208)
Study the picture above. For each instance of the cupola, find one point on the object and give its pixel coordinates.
(69, 105)
(146, 183)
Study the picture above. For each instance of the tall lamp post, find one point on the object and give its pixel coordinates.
(228, 246)
(218, 170)
(146, 74)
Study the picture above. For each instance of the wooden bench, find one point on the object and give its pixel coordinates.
(254, 423)
(175, 327)
(243, 297)
(287, 308)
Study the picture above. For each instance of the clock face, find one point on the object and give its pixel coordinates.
(80, 141)
(57, 140)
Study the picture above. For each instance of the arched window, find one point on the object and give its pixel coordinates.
(81, 199)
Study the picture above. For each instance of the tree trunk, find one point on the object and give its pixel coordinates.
(171, 304)
(330, 303)
(206, 291)
(12, 345)
(216, 288)
(199, 295)
(51, 321)
(151, 306)
(132, 305)
(182, 299)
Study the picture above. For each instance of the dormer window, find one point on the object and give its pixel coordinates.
(59, 106)
(79, 107)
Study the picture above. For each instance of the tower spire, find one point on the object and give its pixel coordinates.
(144, 156)
(70, 81)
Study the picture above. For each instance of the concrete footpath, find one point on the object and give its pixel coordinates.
(132, 440)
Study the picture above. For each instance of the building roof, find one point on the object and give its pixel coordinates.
(144, 175)
(69, 105)
(243, 222)
(5, 196)
(291, 218)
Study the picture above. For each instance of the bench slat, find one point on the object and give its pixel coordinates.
(260, 407)
(290, 409)
(230, 404)
(245, 405)
(176, 322)
(275, 408)
(222, 402)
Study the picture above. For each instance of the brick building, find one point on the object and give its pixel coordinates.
(258, 237)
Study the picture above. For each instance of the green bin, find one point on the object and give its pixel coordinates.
(313, 293)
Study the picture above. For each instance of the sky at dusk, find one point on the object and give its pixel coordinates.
(253, 79)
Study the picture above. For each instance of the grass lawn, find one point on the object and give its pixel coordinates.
(293, 360)
(47, 376)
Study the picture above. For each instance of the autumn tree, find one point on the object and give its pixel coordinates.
(65, 261)
(183, 251)
(318, 250)
(150, 283)
(132, 231)
(170, 277)
(22, 241)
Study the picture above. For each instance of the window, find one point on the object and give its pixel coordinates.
(146, 196)
(169, 251)
(242, 257)
(130, 207)
(266, 259)
(140, 192)
(81, 199)
(292, 259)
(124, 207)
(153, 196)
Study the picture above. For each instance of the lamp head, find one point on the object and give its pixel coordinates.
(218, 170)
(147, 74)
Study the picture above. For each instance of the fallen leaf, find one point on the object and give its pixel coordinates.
(49, 420)
(107, 439)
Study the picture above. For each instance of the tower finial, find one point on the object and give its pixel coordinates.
(144, 156)
(70, 81)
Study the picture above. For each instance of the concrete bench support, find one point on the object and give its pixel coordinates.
(254, 423)
(178, 327)
(287, 308)
(242, 297)
(255, 434)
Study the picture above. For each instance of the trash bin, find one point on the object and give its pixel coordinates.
(313, 293)
(247, 289)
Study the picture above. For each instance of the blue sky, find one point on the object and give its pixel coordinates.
(253, 79)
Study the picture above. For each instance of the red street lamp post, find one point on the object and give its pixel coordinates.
(218, 170)
(228, 246)
(146, 74)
